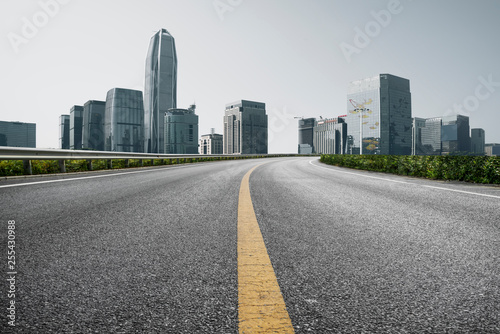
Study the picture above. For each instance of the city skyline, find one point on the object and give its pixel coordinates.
(298, 69)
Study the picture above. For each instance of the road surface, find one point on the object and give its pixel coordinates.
(155, 250)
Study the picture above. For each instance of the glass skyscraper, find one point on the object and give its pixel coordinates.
(477, 141)
(93, 125)
(379, 116)
(75, 127)
(181, 131)
(64, 132)
(306, 135)
(124, 121)
(245, 128)
(455, 134)
(160, 92)
(17, 134)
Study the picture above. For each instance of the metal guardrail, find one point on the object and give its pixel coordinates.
(29, 154)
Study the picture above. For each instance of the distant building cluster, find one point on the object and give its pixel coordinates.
(129, 121)
(379, 121)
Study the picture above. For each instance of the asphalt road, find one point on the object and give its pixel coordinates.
(155, 250)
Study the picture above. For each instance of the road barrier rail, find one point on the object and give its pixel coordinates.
(27, 155)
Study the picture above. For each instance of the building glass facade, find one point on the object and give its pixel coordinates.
(17, 134)
(455, 134)
(306, 135)
(477, 141)
(75, 127)
(431, 136)
(64, 132)
(124, 121)
(245, 128)
(160, 93)
(93, 125)
(330, 136)
(181, 131)
(379, 116)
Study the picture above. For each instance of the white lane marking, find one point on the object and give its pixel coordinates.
(87, 177)
(396, 181)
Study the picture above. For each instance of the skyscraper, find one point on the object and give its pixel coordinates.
(93, 125)
(64, 132)
(379, 116)
(330, 136)
(455, 134)
(245, 128)
(306, 135)
(160, 92)
(124, 121)
(181, 131)
(75, 127)
(477, 141)
(17, 134)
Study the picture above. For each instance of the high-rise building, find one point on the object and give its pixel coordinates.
(306, 135)
(93, 125)
(64, 132)
(477, 141)
(245, 128)
(455, 134)
(17, 134)
(379, 117)
(75, 127)
(160, 93)
(124, 121)
(181, 131)
(492, 149)
(431, 136)
(211, 144)
(330, 136)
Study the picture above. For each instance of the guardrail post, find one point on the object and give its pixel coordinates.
(62, 166)
(90, 166)
(109, 164)
(141, 162)
(127, 163)
(28, 170)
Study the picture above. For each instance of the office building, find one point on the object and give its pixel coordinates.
(455, 135)
(93, 125)
(181, 131)
(124, 121)
(477, 141)
(330, 136)
(17, 134)
(64, 132)
(306, 135)
(160, 93)
(427, 136)
(211, 144)
(75, 127)
(379, 116)
(492, 149)
(245, 128)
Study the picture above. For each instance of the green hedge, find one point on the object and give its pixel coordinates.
(461, 168)
(15, 167)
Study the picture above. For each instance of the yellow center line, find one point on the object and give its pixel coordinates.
(261, 308)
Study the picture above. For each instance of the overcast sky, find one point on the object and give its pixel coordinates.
(297, 56)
